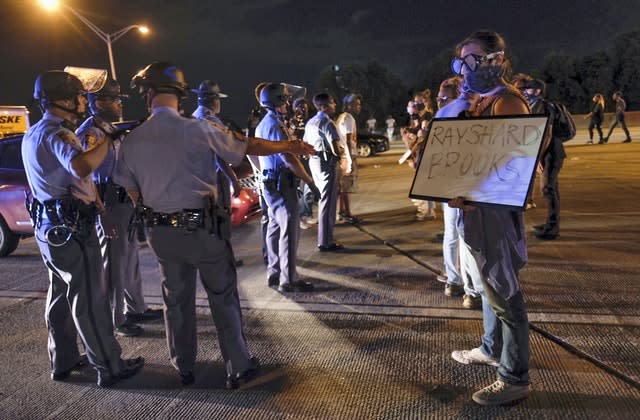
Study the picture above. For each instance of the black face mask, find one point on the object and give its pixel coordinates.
(421, 106)
(484, 78)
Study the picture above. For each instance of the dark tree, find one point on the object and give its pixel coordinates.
(596, 76)
(625, 62)
(383, 93)
(559, 72)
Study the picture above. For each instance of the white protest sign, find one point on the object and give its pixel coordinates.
(487, 160)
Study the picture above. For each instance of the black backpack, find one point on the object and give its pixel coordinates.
(564, 128)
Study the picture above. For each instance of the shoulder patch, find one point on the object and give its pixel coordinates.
(67, 136)
(219, 126)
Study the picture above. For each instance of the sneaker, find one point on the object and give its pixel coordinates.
(499, 393)
(590, 142)
(442, 278)
(474, 357)
(453, 290)
(309, 220)
(627, 141)
(471, 302)
(304, 225)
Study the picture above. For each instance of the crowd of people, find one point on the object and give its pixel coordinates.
(89, 187)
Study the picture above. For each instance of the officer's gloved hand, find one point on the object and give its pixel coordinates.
(315, 191)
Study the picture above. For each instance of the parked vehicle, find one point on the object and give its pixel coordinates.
(16, 224)
(14, 219)
(370, 144)
(13, 120)
(246, 206)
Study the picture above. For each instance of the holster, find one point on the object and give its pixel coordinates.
(328, 162)
(68, 216)
(216, 221)
(111, 193)
(285, 180)
(141, 214)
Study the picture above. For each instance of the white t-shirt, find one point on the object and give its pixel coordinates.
(347, 125)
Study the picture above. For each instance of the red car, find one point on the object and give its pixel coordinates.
(246, 206)
(14, 219)
(16, 224)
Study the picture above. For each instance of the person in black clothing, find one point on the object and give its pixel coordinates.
(621, 106)
(551, 160)
(597, 117)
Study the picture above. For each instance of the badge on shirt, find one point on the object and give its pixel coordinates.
(90, 140)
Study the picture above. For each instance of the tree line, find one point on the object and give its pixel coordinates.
(570, 79)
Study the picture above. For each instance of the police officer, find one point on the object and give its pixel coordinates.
(280, 173)
(122, 273)
(306, 198)
(187, 231)
(209, 107)
(64, 208)
(322, 133)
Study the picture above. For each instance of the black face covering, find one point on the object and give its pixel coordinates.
(484, 78)
(421, 106)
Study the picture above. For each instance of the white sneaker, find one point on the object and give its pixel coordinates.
(500, 393)
(474, 357)
(304, 225)
(309, 220)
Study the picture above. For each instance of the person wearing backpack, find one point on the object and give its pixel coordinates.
(621, 106)
(552, 158)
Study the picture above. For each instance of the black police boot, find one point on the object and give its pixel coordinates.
(234, 380)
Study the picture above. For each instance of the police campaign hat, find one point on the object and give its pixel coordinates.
(163, 77)
(209, 89)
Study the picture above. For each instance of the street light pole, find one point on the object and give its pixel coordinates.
(107, 38)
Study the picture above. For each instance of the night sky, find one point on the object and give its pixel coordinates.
(240, 43)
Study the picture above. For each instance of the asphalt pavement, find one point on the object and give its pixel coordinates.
(373, 341)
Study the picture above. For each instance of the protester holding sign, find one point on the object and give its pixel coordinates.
(494, 237)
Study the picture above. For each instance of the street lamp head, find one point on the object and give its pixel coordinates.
(143, 29)
(49, 4)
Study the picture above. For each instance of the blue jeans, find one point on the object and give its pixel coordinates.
(618, 120)
(506, 333)
(450, 245)
(469, 268)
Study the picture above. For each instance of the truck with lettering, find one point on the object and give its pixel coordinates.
(13, 120)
